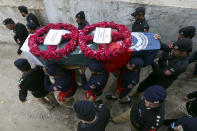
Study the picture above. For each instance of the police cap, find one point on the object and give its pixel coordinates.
(188, 31)
(139, 11)
(22, 64)
(184, 44)
(80, 15)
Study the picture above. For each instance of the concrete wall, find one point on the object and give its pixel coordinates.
(8, 8)
(164, 16)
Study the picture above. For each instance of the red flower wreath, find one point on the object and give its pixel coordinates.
(103, 53)
(52, 52)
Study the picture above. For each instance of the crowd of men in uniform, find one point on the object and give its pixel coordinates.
(146, 113)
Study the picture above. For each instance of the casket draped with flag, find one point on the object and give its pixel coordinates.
(143, 45)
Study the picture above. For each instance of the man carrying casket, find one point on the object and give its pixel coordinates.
(129, 78)
(64, 82)
(173, 62)
(97, 82)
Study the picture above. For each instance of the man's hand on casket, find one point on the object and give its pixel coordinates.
(45, 71)
(156, 36)
(82, 69)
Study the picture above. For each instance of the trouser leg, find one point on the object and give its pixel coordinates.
(45, 102)
(52, 99)
(146, 83)
(113, 87)
(195, 69)
(124, 117)
(68, 102)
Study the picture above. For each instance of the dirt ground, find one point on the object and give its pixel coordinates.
(32, 116)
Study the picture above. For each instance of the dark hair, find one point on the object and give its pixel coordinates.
(80, 15)
(8, 21)
(23, 9)
(22, 64)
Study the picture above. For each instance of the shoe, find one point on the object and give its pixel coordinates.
(112, 121)
(128, 101)
(111, 97)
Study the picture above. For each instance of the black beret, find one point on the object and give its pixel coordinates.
(188, 31)
(22, 64)
(80, 15)
(8, 21)
(184, 44)
(23, 9)
(139, 11)
(85, 110)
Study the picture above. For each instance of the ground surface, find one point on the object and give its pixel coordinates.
(32, 116)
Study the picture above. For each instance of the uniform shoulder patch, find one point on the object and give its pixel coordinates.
(167, 72)
(55, 88)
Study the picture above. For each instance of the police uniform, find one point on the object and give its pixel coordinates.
(80, 27)
(98, 81)
(64, 83)
(81, 15)
(144, 118)
(20, 36)
(188, 123)
(33, 81)
(128, 79)
(168, 68)
(87, 111)
(139, 25)
(32, 18)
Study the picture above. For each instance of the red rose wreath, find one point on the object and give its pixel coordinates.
(52, 52)
(103, 53)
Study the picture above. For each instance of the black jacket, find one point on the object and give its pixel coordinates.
(34, 82)
(32, 18)
(140, 26)
(169, 67)
(144, 118)
(103, 116)
(21, 35)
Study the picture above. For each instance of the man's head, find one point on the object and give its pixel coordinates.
(187, 32)
(22, 65)
(182, 47)
(135, 64)
(31, 27)
(139, 13)
(154, 96)
(96, 66)
(80, 18)
(23, 10)
(85, 110)
(54, 70)
(9, 23)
